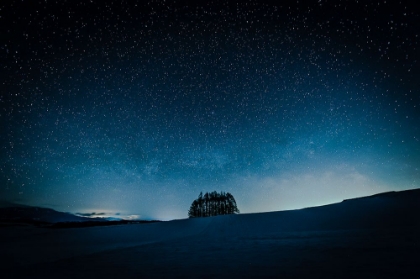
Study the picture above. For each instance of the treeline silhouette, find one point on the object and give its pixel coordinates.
(212, 204)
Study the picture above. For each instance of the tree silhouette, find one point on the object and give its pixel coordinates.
(212, 204)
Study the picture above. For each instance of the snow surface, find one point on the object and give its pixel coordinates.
(360, 238)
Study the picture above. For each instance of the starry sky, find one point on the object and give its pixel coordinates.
(132, 108)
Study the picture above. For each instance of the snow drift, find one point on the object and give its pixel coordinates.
(364, 237)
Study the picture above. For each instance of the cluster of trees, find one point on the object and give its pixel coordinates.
(212, 204)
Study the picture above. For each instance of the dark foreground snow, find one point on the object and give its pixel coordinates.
(373, 237)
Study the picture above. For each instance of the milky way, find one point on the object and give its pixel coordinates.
(133, 109)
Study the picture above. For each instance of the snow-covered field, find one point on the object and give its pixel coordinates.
(373, 237)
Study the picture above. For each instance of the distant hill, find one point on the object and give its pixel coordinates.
(409, 195)
(12, 214)
(36, 215)
(10, 204)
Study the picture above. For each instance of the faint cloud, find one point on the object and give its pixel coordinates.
(91, 214)
(117, 215)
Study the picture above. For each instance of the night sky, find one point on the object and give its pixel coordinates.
(131, 110)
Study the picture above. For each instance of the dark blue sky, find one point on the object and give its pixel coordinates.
(136, 108)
